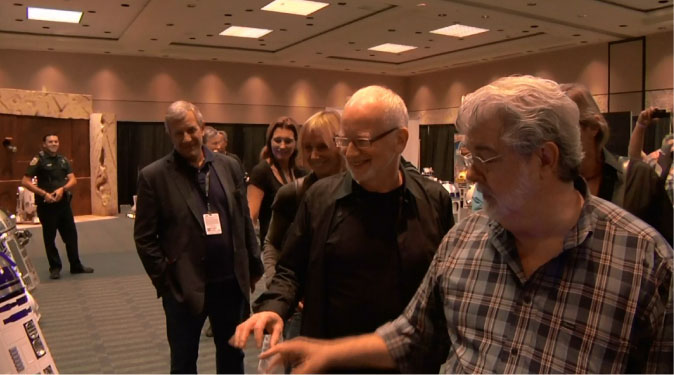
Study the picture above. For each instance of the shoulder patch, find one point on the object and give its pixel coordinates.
(33, 162)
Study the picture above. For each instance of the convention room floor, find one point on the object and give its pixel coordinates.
(109, 321)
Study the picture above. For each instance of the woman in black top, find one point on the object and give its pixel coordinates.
(319, 153)
(275, 169)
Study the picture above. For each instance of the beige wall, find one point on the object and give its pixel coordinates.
(435, 97)
(140, 89)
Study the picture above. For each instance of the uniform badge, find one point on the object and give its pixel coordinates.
(33, 162)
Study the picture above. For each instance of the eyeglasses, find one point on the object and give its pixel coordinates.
(470, 159)
(361, 142)
(279, 140)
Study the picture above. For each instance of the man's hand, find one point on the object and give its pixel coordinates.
(305, 355)
(49, 197)
(646, 117)
(58, 194)
(258, 323)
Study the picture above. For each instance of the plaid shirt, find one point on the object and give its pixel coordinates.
(604, 305)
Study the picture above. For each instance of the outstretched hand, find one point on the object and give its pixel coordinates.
(268, 321)
(305, 355)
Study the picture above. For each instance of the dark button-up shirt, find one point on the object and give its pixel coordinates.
(219, 260)
(425, 215)
(51, 172)
(604, 305)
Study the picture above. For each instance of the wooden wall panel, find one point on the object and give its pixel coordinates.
(27, 133)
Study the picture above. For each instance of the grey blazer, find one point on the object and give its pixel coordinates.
(169, 232)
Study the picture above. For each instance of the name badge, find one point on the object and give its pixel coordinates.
(212, 224)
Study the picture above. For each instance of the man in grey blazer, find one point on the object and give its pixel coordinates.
(195, 238)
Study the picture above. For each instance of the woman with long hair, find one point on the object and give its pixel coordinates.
(275, 169)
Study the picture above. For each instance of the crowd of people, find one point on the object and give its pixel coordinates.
(567, 267)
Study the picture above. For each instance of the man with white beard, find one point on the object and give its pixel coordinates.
(547, 278)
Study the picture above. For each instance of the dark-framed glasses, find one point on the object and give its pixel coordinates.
(361, 142)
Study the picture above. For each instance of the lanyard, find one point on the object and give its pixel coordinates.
(208, 179)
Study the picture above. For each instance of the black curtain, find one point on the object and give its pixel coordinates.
(437, 149)
(141, 143)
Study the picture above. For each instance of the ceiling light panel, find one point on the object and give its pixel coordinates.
(459, 31)
(298, 7)
(245, 32)
(54, 15)
(392, 48)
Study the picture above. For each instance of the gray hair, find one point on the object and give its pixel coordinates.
(533, 111)
(224, 134)
(590, 115)
(178, 110)
(395, 112)
(209, 132)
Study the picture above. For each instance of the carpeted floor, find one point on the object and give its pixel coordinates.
(108, 321)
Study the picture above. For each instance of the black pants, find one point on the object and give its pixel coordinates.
(59, 216)
(226, 307)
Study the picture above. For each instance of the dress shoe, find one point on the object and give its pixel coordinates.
(55, 274)
(82, 269)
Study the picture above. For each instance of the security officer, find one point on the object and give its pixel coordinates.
(55, 179)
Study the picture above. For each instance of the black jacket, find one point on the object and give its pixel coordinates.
(169, 232)
(426, 216)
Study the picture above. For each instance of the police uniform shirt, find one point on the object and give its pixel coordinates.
(51, 172)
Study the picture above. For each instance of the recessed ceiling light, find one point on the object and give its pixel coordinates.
(91, 11)
(531, 4)
(622, 25)
(54, 15)
(18, 20)
(392, 48)
(485, 16)
(298, 7)
(191, 5)
(125, 5)
(107, 32)
(245, 32)
(421, 4)
(459, 30)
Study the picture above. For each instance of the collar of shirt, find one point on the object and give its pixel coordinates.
(409, 189)
(612, 161)
(208, 158)
(503, 240)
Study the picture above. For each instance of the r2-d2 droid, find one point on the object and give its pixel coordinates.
(23, 348)
(14, 242)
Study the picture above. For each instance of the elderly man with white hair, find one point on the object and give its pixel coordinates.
(547, 278)
(362, 240)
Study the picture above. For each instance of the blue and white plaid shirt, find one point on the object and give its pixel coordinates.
(604, 305)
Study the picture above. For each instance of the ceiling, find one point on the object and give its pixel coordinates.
(336, 37)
